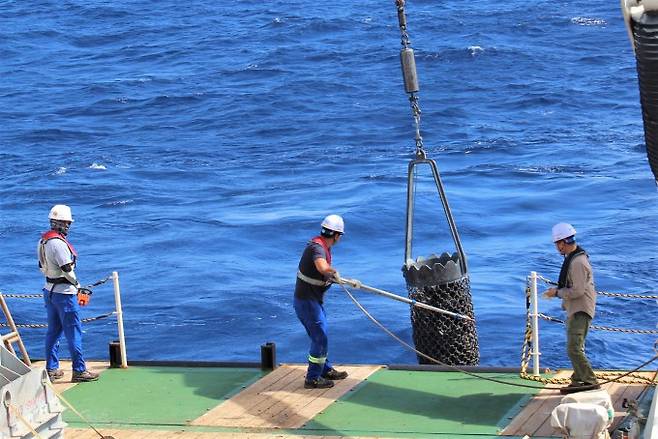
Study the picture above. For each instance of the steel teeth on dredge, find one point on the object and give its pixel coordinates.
(432, 270)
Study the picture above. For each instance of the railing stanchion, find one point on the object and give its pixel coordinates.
(535, 323)
(117, 300)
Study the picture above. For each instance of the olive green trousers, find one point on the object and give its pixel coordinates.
(577, 328)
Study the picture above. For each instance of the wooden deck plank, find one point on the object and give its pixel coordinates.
(283, 415)
(535, 422)
(135, 434)
(547, 430)
(78, 433)
(534, 419)
(276, 396)
(630, 392)
(280, 401)
(232, 412)
(65, 383)
(302, 413)
(541, 401)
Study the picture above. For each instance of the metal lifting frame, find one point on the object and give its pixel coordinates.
(446, 210)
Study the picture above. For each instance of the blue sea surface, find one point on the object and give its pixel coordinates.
(200, 144)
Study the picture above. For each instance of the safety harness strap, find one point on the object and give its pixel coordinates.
(310, 280)
(58, 280)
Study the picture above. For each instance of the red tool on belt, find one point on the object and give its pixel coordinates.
(84, 296)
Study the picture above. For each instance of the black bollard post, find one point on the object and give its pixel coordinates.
(268, 356)
(115, 354)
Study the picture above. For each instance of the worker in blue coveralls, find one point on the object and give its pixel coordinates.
(314, 277)
(57, 259)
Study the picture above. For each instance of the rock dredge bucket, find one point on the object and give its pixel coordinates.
(642, 25)
(443, 282)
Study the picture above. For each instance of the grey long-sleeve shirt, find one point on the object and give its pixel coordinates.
(579, 294)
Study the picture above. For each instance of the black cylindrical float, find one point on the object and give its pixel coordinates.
(439, 281)
(115, 354)
(268, 356)
(645, 40)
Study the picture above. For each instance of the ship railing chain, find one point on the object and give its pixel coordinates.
(22, 296)
(526, 351)
(607, 293)
(602, 328)
(43, 325)
(40, 296)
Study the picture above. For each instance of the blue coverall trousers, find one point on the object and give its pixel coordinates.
(63, 317)
(311, 314)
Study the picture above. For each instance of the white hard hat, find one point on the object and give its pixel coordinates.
(562, 231)
(334, 223)
(60, 212)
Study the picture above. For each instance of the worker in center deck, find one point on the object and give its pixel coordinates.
(314, 277)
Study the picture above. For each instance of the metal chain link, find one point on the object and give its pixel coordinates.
(526, 353)
(22, 296)
(402, 20)
(413, 96)
(607, 293)
(602, 328)
(39, 296)
(43, 325)
(628, 296)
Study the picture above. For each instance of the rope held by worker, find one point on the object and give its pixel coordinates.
(356, 284)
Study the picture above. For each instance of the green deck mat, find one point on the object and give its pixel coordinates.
(410, 403)
(152, 396)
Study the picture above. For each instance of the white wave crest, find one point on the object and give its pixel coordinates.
(60, 171)
(587, 21)
(97, 166)
(475, 50)
(120, 202)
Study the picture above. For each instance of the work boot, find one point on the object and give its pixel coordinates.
(55, 374)
(84, 376)
(333, 374)
(318, 383)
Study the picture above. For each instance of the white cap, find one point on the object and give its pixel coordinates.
(562, 230)
(334, 223)
(60, 212)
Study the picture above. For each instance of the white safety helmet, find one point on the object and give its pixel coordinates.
(60, 212)
(334, 223)
(562, 231)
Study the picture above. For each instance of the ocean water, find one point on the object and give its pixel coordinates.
(201, 145)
